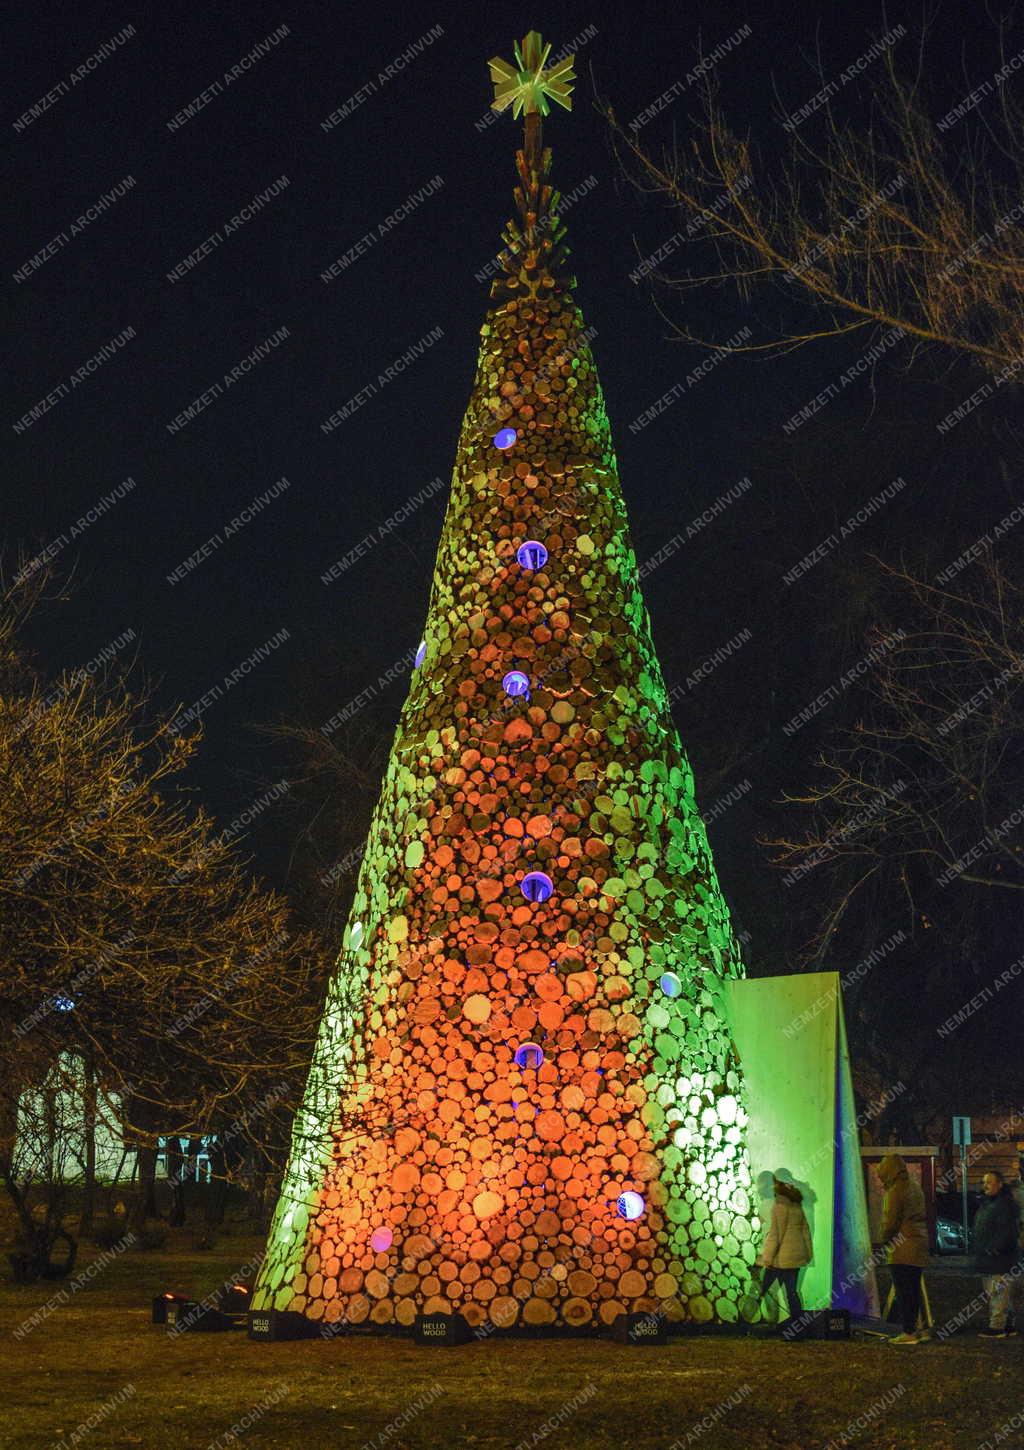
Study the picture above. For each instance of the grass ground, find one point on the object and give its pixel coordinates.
(96, 1354)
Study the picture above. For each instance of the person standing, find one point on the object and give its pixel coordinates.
(997, 1254)
(905, 1237)
(787, 1247)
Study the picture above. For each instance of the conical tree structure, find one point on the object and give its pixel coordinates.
(523, 1104)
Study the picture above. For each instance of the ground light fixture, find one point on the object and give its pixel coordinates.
(162, 1303)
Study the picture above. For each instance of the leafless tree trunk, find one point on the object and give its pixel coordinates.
(89, 1135)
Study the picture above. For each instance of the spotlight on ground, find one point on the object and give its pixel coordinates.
(163, 1303)
(234, 1298)
(193, 1317)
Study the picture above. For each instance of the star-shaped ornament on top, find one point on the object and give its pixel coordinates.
(526, 85)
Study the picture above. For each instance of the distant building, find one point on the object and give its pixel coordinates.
(52, 1139)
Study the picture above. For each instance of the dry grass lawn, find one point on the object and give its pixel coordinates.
(97, 1355)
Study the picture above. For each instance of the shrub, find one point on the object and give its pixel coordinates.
(109, 1232)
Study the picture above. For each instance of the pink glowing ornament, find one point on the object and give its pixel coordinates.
(381, 1240)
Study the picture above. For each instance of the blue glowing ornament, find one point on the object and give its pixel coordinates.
(421, 654)
(63, 1004)
(531, 555)
(670, 984)
(535, 886)
(516, 683)
(630, 1205)
(504, 438)
(529, 1054)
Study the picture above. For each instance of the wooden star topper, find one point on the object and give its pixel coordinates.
(526, 86)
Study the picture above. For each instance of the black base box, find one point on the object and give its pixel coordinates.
(818, 1324)
(445, 1329)
(186, 1316)
(163, 1302)
(270, 1325)
(837, 1324)
(639, 1329)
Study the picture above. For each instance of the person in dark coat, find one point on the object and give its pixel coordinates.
(997, 1255)
(905, 1236)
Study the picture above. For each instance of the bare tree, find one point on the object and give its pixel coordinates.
(927, 785)
(890, 225)
(334, 781)
(910, 864)
(132, 938)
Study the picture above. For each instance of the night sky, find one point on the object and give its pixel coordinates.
(183, 179)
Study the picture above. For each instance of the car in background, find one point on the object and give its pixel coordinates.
(949, 1236)
(949, 1221)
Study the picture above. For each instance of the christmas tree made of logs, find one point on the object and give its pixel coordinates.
(524, 1106)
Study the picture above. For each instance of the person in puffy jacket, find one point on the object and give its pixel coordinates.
(997, 1254)
(787, 1247)
(905, 1237)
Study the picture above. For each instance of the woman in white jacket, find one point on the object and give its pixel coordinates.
(787, 1247)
